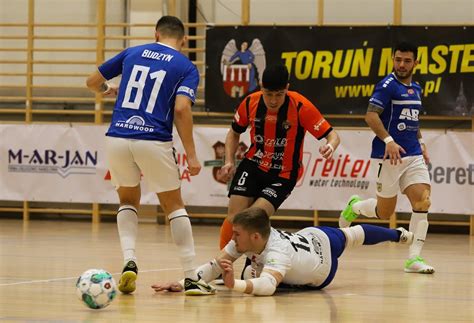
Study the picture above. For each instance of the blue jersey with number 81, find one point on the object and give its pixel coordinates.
(152, 76)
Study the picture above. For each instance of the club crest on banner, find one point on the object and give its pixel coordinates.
(242, 68)
(218, 162)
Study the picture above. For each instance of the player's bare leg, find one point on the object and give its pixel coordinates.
(237, 203)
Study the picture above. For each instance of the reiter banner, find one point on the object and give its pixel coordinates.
(68, 165)
(337, 67)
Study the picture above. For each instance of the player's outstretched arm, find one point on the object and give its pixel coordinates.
(170, 287)
(207, 272)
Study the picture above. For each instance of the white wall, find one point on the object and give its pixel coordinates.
(340, 11)
(438, 11)
(55, 11)
(144, 12)
(358, 12)
(215, 11)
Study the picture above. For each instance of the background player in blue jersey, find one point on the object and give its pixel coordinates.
(158, 87)
(399, 154)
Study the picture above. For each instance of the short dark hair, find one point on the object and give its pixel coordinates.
(275, 77)
(254, 219)
(170, 26)
(406, 47)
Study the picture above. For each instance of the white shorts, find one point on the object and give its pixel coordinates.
(394, 178)
(128, 159)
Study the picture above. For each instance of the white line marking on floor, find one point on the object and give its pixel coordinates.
(71, 278)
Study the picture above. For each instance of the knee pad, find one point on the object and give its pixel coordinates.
(425, 202)
(355, 236)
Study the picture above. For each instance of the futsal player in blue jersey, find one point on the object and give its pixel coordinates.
(157, 88)
(399, 154)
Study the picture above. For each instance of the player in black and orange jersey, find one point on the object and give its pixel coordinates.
(278, 121)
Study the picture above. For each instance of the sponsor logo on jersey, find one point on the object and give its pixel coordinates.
(136, 123)
(270, 192)
(379, 187)
(271, 261)
(186, 90)
(401, 126)
(318, 125)
(409, 114)
(273, 142)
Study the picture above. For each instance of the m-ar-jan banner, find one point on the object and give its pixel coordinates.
(337, 68)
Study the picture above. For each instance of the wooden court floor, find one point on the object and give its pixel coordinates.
(40, 261)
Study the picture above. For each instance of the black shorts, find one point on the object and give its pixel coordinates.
(251, 181)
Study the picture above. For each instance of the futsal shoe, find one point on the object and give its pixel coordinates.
(127, 283)
(418, 265)
(197, 287)
(348, 215)
(406, 237)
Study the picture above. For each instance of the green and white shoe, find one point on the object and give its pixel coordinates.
(348, 215)
(418, 265)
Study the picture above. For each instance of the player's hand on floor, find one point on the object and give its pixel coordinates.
(170, 287)
(228, 273)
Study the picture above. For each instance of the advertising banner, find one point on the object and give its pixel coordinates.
(337, 68)
(62, 163)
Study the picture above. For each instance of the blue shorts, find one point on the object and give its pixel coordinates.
(337, 240)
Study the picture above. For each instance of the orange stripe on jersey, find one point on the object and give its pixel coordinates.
(277, 138)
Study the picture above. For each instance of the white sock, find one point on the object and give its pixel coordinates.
(127, 222)
(183, 238)
(419, 227)
(366, 208)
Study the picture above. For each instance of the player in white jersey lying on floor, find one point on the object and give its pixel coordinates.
(399, 154)
(308, 257)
